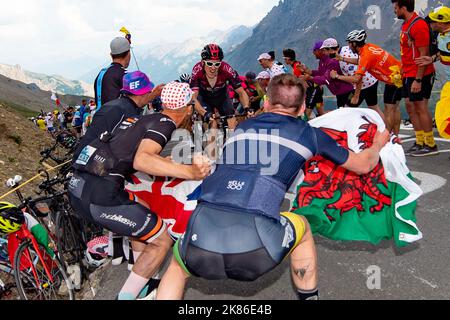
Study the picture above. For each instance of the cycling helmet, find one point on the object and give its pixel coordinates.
(212, 52)
(94, 260)
(357, 36)
(97, 251)
(185, 78)
(11, 218)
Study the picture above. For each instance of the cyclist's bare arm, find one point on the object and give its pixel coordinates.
(197, 106)
(366, 161)
(149, 161)
(354, 61)
(358, 90)
(350, 79)
(243, 97)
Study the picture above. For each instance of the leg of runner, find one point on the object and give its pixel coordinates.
(393, 118)
(304, 266)
(415, 120)
(173, 283)
(146, 266)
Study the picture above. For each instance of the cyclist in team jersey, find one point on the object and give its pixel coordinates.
(384, 67)
(367, 89)
(210, 80)
(237, 231)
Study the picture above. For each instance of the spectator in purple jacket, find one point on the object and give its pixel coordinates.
(342, 90)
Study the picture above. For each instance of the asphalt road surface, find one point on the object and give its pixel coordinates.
(420, 271)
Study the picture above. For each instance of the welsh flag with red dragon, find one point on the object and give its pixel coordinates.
(341, 205)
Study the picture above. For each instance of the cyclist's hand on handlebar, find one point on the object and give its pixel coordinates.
(201, 167)
(208, 117)
(250, 113)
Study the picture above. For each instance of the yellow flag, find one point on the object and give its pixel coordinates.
(124, 30)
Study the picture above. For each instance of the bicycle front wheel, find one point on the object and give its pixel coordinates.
(32, 280)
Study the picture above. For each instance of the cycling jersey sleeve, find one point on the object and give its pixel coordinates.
(162, 133)
(233, 77)
(197, 72)
(364, 64)
(330, 149)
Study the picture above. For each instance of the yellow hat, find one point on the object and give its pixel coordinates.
(441, 14)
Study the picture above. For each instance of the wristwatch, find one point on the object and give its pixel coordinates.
(418, 80)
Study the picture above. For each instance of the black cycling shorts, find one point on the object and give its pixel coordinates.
(221, 243)
(392, 94)
(224, 105)
(314, 97)
(344, 100)
(104, 202)
(369, 95)
(427, 88)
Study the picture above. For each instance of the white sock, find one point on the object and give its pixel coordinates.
(134, 285)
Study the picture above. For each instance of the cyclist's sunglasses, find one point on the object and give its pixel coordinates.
(213, 64)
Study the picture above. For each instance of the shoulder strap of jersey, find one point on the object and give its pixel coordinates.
(99, 86)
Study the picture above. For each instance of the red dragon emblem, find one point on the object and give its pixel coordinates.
(326, 180)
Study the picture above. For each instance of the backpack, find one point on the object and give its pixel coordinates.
(433, 36)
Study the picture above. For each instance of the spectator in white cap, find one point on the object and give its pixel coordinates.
(342, 90)
(263, 79)
(267, 63)
(108, 83)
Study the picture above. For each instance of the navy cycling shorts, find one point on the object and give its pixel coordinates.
(221, 243)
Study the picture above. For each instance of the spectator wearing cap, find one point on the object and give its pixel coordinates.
(254, 91)
(263, 79)
(314, 92)
(108, 83)
(268, 63)
(136, 92)
(342, 90)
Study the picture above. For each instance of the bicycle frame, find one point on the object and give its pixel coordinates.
(25, 234)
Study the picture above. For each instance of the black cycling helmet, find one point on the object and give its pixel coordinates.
(11, 218)
(212, 52)
(250, 75)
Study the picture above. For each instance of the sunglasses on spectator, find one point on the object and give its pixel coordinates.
(213, 64)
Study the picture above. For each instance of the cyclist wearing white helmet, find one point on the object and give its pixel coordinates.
(185, 78)
(367, 90)
(384, 67)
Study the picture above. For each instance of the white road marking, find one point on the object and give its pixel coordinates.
(429, 182)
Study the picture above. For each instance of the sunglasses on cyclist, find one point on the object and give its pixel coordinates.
(213, 64)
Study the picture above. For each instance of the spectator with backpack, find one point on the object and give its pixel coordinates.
(440, 21)
(415, 42)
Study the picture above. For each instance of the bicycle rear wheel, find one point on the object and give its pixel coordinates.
(32, 281)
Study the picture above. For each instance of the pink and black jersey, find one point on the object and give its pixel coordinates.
(227, 76)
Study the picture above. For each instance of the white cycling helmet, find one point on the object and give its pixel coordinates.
(185, 78)
(94, 260)
(357, 36)
(97, 252)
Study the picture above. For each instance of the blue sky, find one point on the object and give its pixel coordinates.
(49, 35)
